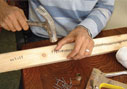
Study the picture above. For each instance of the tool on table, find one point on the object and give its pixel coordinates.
(71, 83)
(100, 80)
(49, 24)
(113, 74)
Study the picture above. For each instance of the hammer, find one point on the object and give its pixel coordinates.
(99, 79)
(49, 24)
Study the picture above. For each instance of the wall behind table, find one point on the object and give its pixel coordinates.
(119, 17)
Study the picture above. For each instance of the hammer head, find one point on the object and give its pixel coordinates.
(98, 78)
(49, 24)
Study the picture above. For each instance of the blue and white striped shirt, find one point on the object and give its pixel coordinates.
(67, 14)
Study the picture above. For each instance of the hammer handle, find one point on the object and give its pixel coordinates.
(38, 24)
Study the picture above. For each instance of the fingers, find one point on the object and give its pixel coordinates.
(5, 26)
(8, 22)
(90, 48)
(82, 44)
(14, 20)
(88, 44)
(78, 43)
(81, 52)
(15, 23)
(22, 20)
(64, 41)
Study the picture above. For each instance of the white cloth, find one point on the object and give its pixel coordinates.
(121, 56)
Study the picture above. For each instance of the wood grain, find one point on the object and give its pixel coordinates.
(44, 77)
(46, 55)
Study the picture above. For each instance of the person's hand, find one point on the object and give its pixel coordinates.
(83, 43)
(13, 19)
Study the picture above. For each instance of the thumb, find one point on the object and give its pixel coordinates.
(63, 42)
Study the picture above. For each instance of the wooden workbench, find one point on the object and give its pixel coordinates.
(44, 77)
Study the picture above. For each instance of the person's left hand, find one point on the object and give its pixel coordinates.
(83, 43)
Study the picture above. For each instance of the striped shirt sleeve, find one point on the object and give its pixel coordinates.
(98, 17)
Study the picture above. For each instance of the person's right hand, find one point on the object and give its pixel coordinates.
(13, 19)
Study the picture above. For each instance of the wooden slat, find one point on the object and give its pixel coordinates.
(46, 55)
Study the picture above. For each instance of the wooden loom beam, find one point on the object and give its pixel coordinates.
(46, 55)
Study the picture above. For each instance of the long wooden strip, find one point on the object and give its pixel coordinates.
(46, 55)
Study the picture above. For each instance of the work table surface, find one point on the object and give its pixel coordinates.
(44, 77)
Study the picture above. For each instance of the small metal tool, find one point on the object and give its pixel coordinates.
(49, 24)
(62, 84)
(99, 79)
(73, 83)
(113, 74)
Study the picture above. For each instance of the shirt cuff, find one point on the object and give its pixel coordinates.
(91, 27)
(87, 31)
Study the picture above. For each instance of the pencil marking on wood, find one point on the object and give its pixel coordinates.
(16, 58)
(61, 51)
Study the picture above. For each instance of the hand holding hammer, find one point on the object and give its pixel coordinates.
(13, 19)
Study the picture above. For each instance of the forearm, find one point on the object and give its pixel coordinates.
(98, 17)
